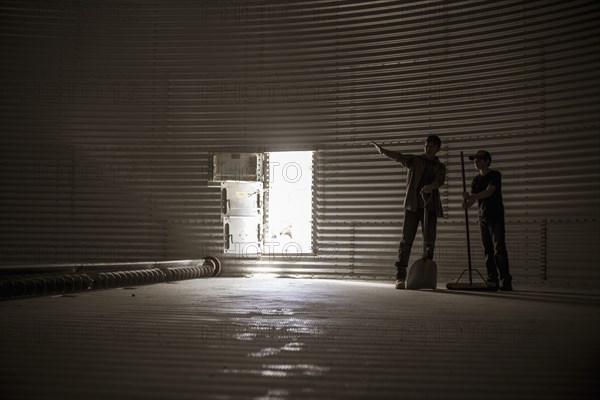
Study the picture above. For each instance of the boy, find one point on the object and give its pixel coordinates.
(486, 188)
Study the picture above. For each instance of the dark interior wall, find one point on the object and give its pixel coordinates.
(110, 111)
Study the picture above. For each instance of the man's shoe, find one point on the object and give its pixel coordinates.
(506, 286)
(400, 284)
(492, 285)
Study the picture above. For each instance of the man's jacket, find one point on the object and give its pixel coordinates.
(416, 170)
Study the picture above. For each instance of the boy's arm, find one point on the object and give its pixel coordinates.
(489, 190)
(468, 197)
(468, 202)
(491, 187)
(486, 193)
(471, 198)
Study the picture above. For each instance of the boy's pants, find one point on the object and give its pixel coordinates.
(494, 249)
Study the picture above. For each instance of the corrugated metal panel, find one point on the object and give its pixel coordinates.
(108, 208)
(573, 253)
(110, 113)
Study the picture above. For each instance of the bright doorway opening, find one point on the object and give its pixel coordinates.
(289, 208)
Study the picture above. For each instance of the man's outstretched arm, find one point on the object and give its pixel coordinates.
(404, 159)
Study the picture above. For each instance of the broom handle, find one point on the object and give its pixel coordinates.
(425, 197)
(462, 164)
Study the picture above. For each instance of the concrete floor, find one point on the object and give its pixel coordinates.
(270, 338)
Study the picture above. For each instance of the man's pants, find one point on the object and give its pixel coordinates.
(409, 231)
(494, 249)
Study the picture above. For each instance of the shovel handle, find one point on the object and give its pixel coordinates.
(427, 201)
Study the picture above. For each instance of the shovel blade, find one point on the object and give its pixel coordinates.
(422, 275)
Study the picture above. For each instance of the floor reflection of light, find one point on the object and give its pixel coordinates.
(266, 275)
(298, 369)
(274, 394)
(266, 352)
(282, 370)
(362, 283)
(294, 346)
(272, 351)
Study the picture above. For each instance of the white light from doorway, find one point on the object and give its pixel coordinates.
(289, 229)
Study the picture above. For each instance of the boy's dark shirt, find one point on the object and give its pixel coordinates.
(492, 207)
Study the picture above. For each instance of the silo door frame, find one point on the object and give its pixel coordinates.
(266, 202)
(241, 177)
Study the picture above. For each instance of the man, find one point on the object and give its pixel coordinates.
(486, 188)
(425, 176)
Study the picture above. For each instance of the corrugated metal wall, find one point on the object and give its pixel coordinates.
(110, 112)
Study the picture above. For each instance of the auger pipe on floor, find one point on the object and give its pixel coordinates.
(100, 276)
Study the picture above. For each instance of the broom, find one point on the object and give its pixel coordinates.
(458, 285)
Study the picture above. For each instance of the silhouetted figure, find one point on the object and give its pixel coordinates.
(426, 173)
(486, 188)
